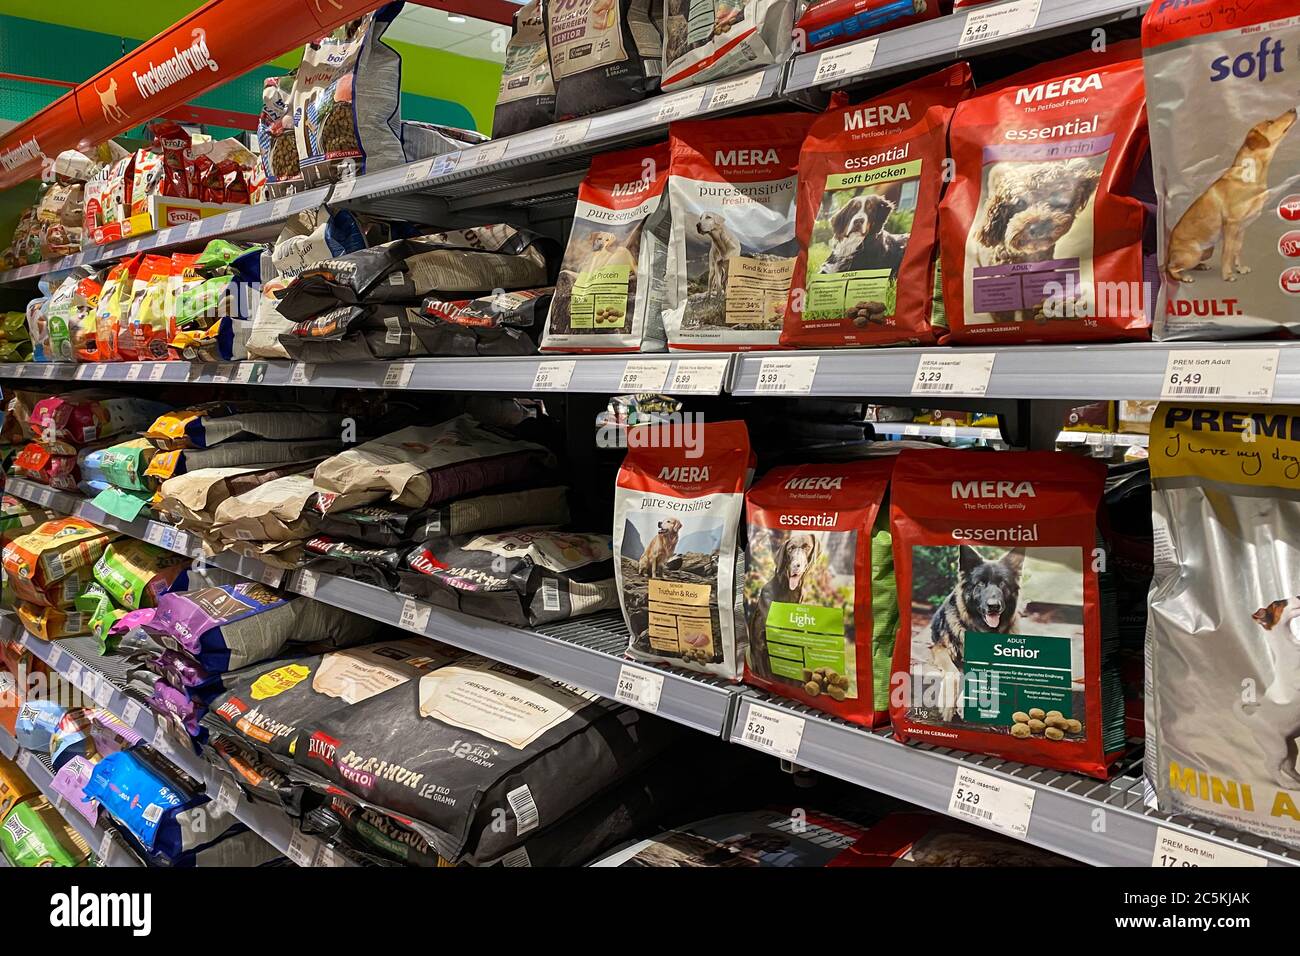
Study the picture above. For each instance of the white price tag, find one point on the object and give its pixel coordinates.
(164, 237)
(415, 615)
(417, 172)
(569, 134)
(735, 92)
(306, 583)
(343, 189)
(674, 106)
(271, 577)
(24, 760)
(1174, 849)
(222, 373)
(153, 533)
(786, 376)
(990, 802)
(953, 373)
(280, 208)
(325, 856)
(846, 61)
(999, 20)
(640, 688)
(227, 797)
(50, 371)
(775, 732)
(73, 672)
(103, 693)
(130, 712)
(55, 658)
(553, 376)
(245, 372)
(300, 374)
(1220, 374)
(101, 369)
(132, 247)
(302, 848)
(398, 374)
(231, 221)
(20, 370)
(445, 163)
(105, 851)
(490, 152)
(193, 229)
(82, 372)
(643, 375)
(133, 371)
(158, 372)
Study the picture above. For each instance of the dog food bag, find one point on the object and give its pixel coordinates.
(52, 623)
(705, 41)
(731, 195)
(610, 291)
(15, 786)
(135, 574)
(1006, 636)
(677, 511)
(1226, 157)
(71, 309)
(39, 560)
(527, 96)
(870, 176)
(277, 510)
(1223, 631)
(930, 839)
(34, 834)
(821, 609)
(823, 23)
(604, 53)
(507, 323)
(1041, 241)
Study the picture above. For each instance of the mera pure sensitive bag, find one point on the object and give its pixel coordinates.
(705, 40)
(604, 53)
(821, 609)
(610, 290)
(1226, 158)
(731, 196)
(870, 176)
(1007, 636)
(1223, 632)
(677, 510)
(1041, 240)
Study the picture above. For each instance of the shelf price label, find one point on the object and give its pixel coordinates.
(102, 694)
(105, 851)
(1220, 374)
(280, 208)
(165, 237)
(300, 374)
(772, 731)
(991, 802)
(130, 712)
(132, 247)
(306, 582)
(344, 189)
(231, 221)
(570, 134)
(158, 372)
(1183, 850)
(999, 20)
(24, 760)
(697, 377)
(846, 61)
(640, 688)
(553, 376)
(417, 172)
(133, 371)
(490, 152)
(787, 376)
(643, 375)
(960, 374)
(227, 797)
(735, 92)
(677, 105)
(302, 848)
(415, 615)
(398, 374)
(446, 163)
(193, 229)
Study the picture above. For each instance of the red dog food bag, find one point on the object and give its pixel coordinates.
(1040, 241)
(677, 512)
(825, 23)
(1007, 637)
(821, 609)
(870, 176)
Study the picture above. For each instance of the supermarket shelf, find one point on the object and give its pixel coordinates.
(1103, 439)
(1069, 810)
(102, 841)
(940, 39)
(1124, 371)
(605, 374)
(949, 432)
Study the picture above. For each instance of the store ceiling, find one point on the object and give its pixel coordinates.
(464, 35)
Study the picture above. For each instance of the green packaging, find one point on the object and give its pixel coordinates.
(33, 834)
(135, 573)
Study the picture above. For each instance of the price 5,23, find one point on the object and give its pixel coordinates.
(1185, 378)
(968, 797)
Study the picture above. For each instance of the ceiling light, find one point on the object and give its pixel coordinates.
(455, 18)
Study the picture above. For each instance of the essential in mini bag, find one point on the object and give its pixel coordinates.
(821, 609)
(677, 510)
(1223, 632)
(870, 177)
(1226, 156)
(1041, 241)
(609, 294)
(705, 40)
(1007, 638)
(731, 195)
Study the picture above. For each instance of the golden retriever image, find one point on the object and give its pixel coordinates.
(607, 251)
(722, 247)
(660, 548)
(1220, 215)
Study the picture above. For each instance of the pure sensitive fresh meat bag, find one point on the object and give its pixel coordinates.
(526, 99)
(705, 40)
(870, 176)
(1223, 632)
(604, 53)
(731, 195)
(1226, 157)
(677, 511)
(610, 292)
(821, 610)
(1041, 241)
(1006, 637)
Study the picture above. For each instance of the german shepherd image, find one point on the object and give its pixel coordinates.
(793, 559)
(986, 600)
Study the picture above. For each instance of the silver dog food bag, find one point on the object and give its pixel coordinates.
(705, 40)
(604, 53)
(1223, 632)
(732, 252)
(677, 510)
(609, 295)
(1222, 98)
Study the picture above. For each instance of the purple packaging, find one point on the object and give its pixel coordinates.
(169, 700)
(70, 783)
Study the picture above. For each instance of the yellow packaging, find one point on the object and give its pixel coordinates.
(52, 623)
(14, 786)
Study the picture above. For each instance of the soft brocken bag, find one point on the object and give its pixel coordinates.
(1224, 616)
(705, 41)
(870, 176)
(677, 511)
(604, 53)
(1007, 635)
(609, 293)
(821, 609)
(731, 194)
(1041, 241)
(1226, 158)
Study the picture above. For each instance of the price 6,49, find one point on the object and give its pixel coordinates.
(1190, 378)
(968, 796)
